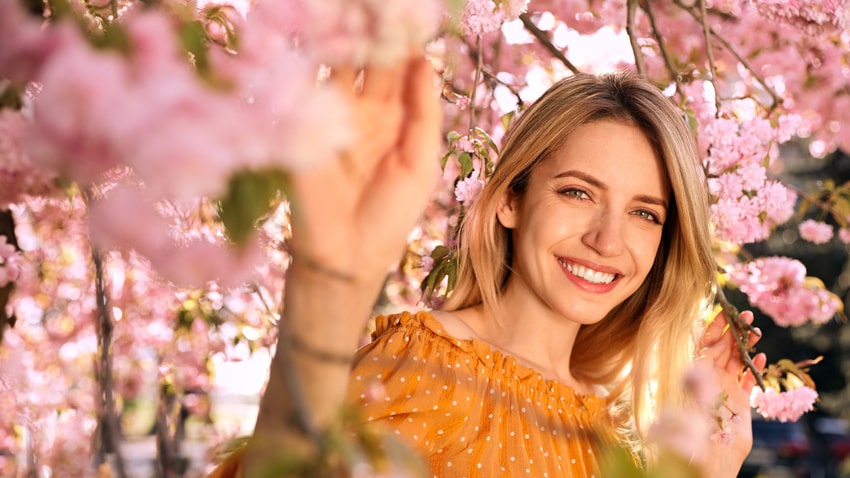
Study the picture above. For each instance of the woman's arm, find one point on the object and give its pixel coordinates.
(350, 220)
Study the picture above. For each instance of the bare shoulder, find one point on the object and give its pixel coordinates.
(455, 323)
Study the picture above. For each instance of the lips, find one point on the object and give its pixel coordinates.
(588, 274)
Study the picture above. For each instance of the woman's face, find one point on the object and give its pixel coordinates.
(587, 229)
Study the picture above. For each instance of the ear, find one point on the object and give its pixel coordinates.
(508, 210)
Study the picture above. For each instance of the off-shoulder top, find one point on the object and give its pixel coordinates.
(471, 410)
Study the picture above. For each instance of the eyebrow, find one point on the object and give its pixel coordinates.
(599, 184)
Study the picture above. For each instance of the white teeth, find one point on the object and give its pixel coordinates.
(589, 275)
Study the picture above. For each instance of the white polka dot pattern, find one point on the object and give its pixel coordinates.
(471, 410)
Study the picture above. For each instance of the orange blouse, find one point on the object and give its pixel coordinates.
(469, 410)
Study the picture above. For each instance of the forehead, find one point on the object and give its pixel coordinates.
(616, 152)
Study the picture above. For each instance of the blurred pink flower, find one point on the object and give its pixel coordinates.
(813, 17)
(682, 432)
(480, 17)
(18, 175)
(723, 436)
(197, 263)
(427, 263)
(75, 127)
(844, 235)
(10, 262)
(702, 383)
(26, 45)
(468, 189)
(357, 32)
(785, 406)
(126, 219)
(815, 231)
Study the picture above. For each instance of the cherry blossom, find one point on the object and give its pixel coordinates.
(786, 406)
(779, 287)
(811, 16)
(468, 189)
(815, 231)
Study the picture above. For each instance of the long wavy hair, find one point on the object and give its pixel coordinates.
(640, 350)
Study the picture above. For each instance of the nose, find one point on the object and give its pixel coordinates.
(605, 234)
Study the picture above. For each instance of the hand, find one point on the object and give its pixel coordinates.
(718, 346)
(350, 220)
(352, 215)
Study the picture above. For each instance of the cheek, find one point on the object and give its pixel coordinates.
(645, 249)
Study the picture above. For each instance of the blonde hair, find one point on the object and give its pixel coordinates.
(647, 340)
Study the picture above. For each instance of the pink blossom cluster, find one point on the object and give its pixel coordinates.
(747, 203)
(816, 231)
(485, 16)
(46, 360)
(785, 406)
(779, 287)
(18, 175)
(357, 32)
(680, 432)
(812, 17)
(188, 255)
(202, 134)
(469, 188)
(9, 262)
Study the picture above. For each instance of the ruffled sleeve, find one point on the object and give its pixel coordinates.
(409, 378)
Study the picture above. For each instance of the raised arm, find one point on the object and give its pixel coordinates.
(350, 220)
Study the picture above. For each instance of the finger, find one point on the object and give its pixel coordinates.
(755, 336)
(748, 380)
(714, 331)
(421, 133)
(384, 82)
(746, 316)
(720, 353)
(414, 165)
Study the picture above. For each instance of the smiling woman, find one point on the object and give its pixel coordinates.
(584, 270)
(584, 267)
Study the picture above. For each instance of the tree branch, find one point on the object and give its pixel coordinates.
(544, 40)
(630, 30)
(479, 65)
(109, 435)
(741, 331)
(668, 61)
(776, 99)
(706, 30)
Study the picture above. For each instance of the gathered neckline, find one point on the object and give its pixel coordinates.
(508, 365)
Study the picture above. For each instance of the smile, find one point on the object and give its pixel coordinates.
(587, 274)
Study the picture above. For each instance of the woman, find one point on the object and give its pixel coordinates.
(585, 266)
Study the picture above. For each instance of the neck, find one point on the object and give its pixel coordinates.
(526, 328)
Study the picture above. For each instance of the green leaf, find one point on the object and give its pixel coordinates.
(11, 97)
(445, 159)
(439, 253)
(487, 139)
(466, 165)
(506, 119)
(249, 197)
(114, 38)
(193, 39)
(451, 272)
(453, 136)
